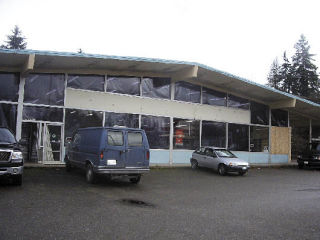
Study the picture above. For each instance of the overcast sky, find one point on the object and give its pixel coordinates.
(239, 37)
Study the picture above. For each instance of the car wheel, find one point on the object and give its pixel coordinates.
(135, 180)
(90, 175)
(17, 180)
(222, 169)
(300, 165)
(242, 173)
(194, 164)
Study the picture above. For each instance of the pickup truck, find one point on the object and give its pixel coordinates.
(311, 156)
(11, 160)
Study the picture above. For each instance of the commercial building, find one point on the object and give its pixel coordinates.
(46, 96)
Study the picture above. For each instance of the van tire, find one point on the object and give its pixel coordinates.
(135, 180)
(90, 174)
(17, 180)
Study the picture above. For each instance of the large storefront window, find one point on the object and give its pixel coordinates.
(9, 85)
(75, 119)
(124, 85)
(259, 113)
(213, 97)
(187, 92)
(121, 119)
(156, 87)
(279, 118)
(186, 134)
(238, 137)
(51, 114)
(87, 82)
(259, 139)
(238, 102)
(8, 116)
(157, 130)
(45, 89)
(213, 134)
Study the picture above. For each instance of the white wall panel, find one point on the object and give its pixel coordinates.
(157, 107)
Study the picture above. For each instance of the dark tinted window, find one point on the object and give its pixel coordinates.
(157, 130)
(124, 85)
(315, 131)
(134, 139)
(238, 102)
(279, 118)
(213, 134)
(8, 116)
(43, 113)
(238, 137)
(186, 134)
(76, 118)
(187, 92)
(156, 87)
(121, 119)
(44, 89)
(259, 139)
(259, 113)
(213, 97)
(9, 85)
(115, 138)
(6, 136)
(88, 82)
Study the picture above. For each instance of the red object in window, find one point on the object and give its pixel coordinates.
(179, 137)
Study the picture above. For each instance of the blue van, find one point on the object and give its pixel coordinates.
(113, 151)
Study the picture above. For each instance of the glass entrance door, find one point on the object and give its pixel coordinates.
(50, 142)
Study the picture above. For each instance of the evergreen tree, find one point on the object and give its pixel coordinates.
(286, 75)
(305, 77)
(16, 40)
(274, 77)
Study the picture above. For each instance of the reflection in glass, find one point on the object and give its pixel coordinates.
(51, 114)
(76, 118)
(157, 130)
(124, 85)
(259, 139)
(213, 134)
(156, 87)
(9, 85)
(238, 102)
(187, 92)
(45, 89)
(87, 82)
(121, 119)
(238, 137)
(186, 134)
(8, 116)
(213, 97)
(259, 113)
(279, 118)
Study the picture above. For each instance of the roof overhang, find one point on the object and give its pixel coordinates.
(26, 61)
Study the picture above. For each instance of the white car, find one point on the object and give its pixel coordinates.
(220, 159)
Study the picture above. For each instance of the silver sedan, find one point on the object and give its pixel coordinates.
(219, 159)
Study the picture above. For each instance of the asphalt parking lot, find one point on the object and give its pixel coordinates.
(167, 204)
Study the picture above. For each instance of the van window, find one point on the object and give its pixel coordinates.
(115, 138)
(134, 139)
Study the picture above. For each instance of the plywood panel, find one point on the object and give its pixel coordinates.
(281, 140)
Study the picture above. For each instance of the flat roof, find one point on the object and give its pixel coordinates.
(15, 60)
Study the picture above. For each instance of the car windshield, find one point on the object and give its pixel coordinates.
(6, 136)
(224, 153)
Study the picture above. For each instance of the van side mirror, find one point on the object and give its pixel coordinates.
(68, 140)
